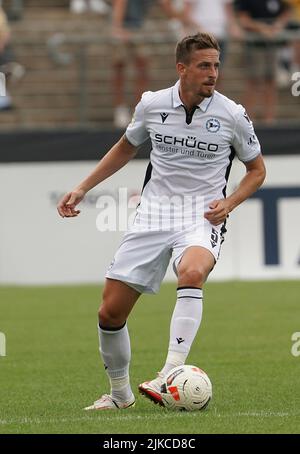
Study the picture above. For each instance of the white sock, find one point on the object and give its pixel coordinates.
(185, 323)
(116, 354)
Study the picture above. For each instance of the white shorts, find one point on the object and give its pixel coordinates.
(143, 256)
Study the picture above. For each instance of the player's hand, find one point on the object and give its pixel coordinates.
(66, 206)
(218, 212)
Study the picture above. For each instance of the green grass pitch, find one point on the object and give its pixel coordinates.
(52, 367)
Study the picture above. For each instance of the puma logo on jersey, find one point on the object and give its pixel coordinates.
(164, 116)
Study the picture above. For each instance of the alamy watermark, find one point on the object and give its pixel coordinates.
(296, 85)
(2, 84)
(2, 344)
(295, 350)
(153, 213)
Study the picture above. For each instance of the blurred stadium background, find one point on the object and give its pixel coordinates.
(61, 123)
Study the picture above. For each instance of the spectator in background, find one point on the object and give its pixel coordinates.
(263, 20)
(128, 17)
(12, 70)
(127, 28)
(216, 17)
(82, 6)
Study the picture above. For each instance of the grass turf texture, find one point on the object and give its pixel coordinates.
(52, 368)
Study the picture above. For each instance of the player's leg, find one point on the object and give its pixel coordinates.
(193, 270)
(118, 301)
(141, 261)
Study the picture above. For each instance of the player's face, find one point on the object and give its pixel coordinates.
(201, 74)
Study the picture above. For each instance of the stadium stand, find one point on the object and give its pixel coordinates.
(71, 88)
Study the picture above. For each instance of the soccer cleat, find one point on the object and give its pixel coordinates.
(151, 390)
(106, 402)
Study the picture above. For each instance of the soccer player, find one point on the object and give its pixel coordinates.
(195, 133)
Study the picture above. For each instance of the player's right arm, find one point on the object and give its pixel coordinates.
(119, 155)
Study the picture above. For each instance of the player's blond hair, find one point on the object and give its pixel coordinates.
(189, 44)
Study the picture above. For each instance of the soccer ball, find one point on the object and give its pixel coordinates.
(186, 388)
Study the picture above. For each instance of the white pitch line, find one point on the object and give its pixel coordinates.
(127, 417)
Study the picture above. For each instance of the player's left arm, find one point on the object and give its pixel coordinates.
(254, 178)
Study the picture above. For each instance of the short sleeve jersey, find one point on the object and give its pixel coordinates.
(191, 153)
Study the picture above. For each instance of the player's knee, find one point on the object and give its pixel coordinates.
(109, 318)
(104, 317)
(193, 277)
(108, 313)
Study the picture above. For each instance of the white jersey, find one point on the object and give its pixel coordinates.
(191, 153)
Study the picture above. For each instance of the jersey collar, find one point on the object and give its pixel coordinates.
(177, 101)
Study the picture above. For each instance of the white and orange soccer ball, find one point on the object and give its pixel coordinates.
(186, 388)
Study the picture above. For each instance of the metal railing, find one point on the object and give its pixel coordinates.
(60, 57)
